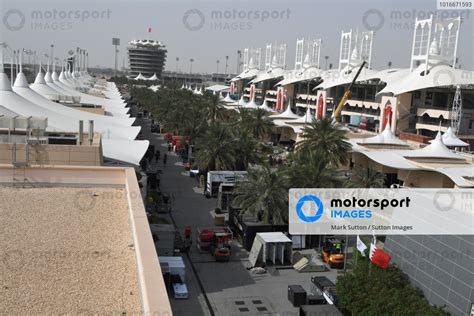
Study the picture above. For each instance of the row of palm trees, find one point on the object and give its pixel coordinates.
(230, 140)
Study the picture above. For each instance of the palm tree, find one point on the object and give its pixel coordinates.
(328, 137)
(264, 195)
(213, 106)
(194, 123)
(247, 149)
(367, 178)
(256, 121)
(215, 148)
(311, 170)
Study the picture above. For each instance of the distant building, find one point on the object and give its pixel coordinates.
(198, 78)
(147, 57)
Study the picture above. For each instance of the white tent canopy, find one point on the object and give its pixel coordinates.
(228, 99)
(218, 88)
(437, 76)
(265, 106)
(451, 140)
(384, 138)
(117, 126)
(115, 146)
(247, 74)
(437, 149)
(306, 74)
(297, 124)
(287, 114)
(272, 73)
(154, 77)
(333, 78)
(140, 77)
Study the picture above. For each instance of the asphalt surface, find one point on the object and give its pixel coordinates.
(230, 289)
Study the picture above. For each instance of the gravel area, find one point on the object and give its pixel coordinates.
(66, 251)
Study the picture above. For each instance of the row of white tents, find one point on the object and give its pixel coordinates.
(55, 98)
(142, 77)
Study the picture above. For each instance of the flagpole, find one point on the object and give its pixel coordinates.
(374, 241)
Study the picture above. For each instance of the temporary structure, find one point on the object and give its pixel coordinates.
(274, 247)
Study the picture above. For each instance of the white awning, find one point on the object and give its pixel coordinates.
(272, 73)
(333, 78)
(437, 76)
(247, 74)
(301, 75)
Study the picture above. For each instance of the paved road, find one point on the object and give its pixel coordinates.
(230, 288)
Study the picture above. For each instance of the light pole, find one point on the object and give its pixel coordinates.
(239, 54)
(191, 66)
(52, 59)
(326, 58)
(226, 64)
(28, 52)
(177, 63)
(217, 69)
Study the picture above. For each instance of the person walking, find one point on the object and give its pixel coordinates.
(169, 147)
(157, 155)
(165, 158)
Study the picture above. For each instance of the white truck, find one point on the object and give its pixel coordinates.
(215, 178)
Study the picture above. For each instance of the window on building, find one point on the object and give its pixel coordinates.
(429, 98)
(440, 100)
(360, 93)
(370, 94)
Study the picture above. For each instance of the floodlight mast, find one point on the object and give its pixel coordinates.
(456, 111)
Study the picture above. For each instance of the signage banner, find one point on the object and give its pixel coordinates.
(408, 211)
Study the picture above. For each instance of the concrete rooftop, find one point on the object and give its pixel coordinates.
(67, 250)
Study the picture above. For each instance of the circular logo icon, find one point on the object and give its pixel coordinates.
(84, 200)
(14, 20)
(443, 200)
(309, 199)
(193, 19)
(13, 259)
(373, 20)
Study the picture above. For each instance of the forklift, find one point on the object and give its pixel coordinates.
(183, 244)
(220, 247)
(333, 253)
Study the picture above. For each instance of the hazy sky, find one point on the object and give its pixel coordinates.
(210, 30)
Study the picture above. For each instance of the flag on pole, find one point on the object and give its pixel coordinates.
(361, 246)
(149, 29)
(378, 256)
